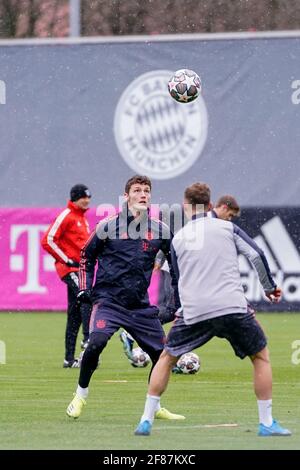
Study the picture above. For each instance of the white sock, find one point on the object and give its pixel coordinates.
(265, 412)
(82, 392)
(151, 406)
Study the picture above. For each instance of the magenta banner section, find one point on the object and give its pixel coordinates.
(27, 273)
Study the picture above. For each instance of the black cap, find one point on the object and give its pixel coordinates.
(78, 191)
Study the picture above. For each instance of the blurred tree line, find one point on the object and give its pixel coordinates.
(50, 18)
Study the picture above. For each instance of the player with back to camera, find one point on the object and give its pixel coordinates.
(125, 247)
(63, 240)
(205, 258)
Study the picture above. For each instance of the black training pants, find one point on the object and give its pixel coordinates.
(77, 315)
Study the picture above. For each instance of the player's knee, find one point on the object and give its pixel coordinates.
(164, 356)
(97, 342)
(262, 355)
(168, 359)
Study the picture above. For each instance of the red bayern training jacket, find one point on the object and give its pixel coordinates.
(65, 237)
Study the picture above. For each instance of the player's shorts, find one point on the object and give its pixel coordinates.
(142, 324)
(242, 330)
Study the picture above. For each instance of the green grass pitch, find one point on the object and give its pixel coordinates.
(35, 391)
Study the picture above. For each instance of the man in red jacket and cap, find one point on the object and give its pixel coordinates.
(63, 240)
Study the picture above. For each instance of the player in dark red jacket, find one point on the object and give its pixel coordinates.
(64, 240)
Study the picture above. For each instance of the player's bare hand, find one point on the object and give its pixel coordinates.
(275, 295)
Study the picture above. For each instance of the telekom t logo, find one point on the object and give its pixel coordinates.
(17, 261)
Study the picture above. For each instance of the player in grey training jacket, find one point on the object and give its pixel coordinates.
(205, 252)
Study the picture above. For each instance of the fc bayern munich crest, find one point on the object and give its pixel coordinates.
(156, 135)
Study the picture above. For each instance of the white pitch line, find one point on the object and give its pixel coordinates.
(197, 426)
(224, 425)
(192, 426)
(115, 381)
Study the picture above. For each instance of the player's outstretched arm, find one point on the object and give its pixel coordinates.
(247, 246)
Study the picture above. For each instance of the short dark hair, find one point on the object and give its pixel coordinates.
(137, 179)
(197, 193)
(230, 202)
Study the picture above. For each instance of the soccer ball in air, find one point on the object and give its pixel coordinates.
(188, 363)
(185, 86)
(139, 358)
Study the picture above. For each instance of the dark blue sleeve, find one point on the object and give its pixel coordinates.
(174, 281)
(88, 257)
(174, 262)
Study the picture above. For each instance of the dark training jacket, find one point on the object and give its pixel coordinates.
(125, 251)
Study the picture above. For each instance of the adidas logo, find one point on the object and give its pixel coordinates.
(283, 258)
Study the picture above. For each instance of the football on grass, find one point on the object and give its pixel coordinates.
(189, 363)
(139, 358)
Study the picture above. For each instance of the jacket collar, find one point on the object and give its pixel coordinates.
(200, 215)
(75, 208)
(214, 214)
